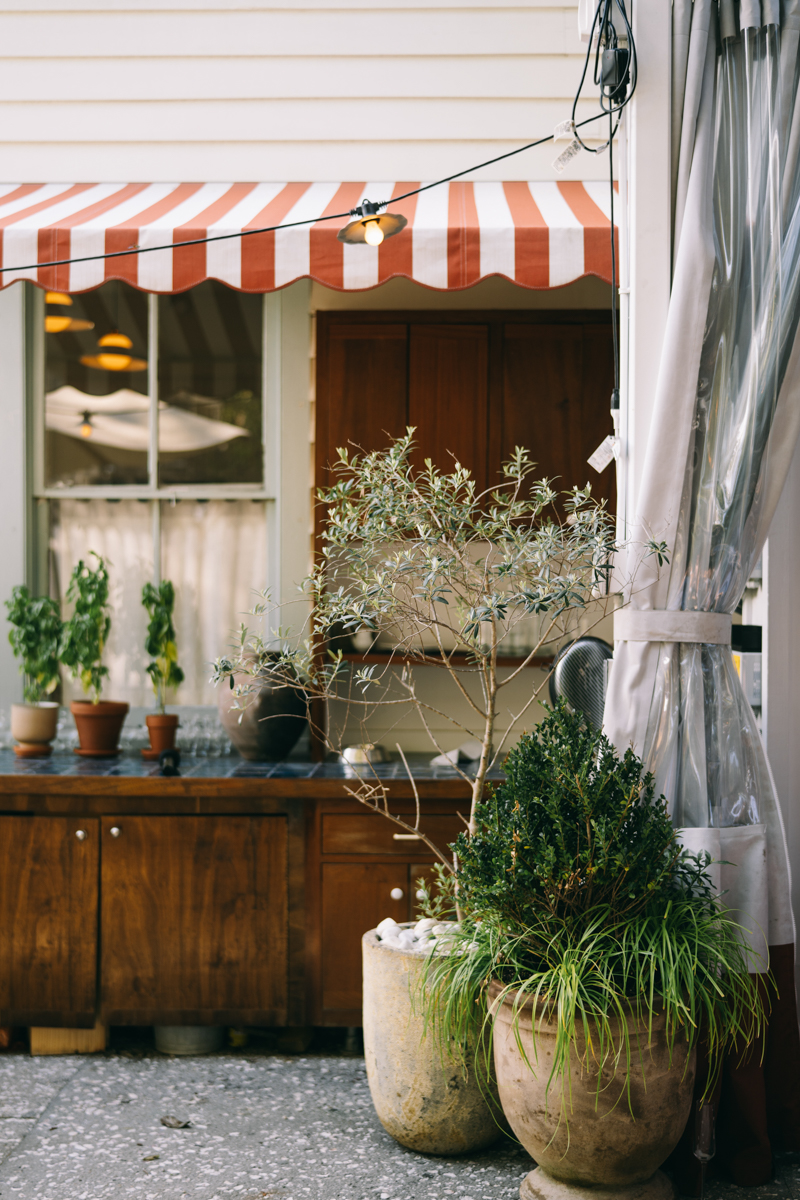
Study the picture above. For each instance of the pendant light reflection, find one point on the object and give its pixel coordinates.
(57, 320)
(371, 228)
(113, 354)
(86, 425)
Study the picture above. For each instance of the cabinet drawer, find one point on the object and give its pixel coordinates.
(354, 833)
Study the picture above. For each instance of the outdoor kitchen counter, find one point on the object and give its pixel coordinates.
(234, 893)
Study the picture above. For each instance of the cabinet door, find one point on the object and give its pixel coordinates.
(355, 898)
(194, 920)
(48, 921)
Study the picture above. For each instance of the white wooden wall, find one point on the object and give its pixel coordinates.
(293, 90)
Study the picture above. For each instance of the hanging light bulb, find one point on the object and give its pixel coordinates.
(113, 354)
(86, 425)
(373, 234)
(58, 321)
(371, 228)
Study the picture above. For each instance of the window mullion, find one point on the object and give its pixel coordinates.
(152, 388)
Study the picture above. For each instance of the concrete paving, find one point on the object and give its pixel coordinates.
(260, 1125)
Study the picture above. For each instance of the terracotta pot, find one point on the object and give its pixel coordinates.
(271, 724)
(425, 1101)
(162, 728)
(99, 726)
(34, 727)
(604, 1138)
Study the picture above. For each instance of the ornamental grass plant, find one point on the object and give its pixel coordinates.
(577, 895)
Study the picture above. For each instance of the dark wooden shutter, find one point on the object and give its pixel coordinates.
(557, 382)
(449, 395)
(362, 390)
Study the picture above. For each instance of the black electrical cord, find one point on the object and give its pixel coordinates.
(241, 233)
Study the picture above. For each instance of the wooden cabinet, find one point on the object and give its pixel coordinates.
(194, 920)
(48, 920)
(360, 872)
(197, 901)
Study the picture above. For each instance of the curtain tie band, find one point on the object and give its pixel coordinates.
(647, 625)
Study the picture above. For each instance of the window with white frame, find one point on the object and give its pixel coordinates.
(149, 450)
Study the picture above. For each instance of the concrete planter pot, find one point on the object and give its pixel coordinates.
(600, 1145)
(422, 1100)
(34, 727)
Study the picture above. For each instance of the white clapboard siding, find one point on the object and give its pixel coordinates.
(304, 89)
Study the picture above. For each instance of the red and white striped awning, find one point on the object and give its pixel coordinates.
(540, 235)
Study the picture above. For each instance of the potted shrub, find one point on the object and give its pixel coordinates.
(602, 951)
(35, 636)
(86, 631)
(449, 574)
(163, 669)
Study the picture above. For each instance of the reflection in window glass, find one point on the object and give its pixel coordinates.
(96, 408)
(122, 533)
(215, 553)
(209, 386)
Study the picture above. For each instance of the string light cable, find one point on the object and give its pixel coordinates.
(367, 208)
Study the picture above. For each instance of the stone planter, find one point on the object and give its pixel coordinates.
(34, 727)
(422, 1099)
(99, 726)
(599, 1145)
(271, 724)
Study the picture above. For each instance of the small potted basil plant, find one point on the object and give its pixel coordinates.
(99, 722)
(35, 635)
(163, 669)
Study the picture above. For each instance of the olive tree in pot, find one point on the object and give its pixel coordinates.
(450, 573)
(604, 956)
(99, 722)
(35, 636)
(163, 669)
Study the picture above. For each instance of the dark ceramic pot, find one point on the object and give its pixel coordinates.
(271, 724)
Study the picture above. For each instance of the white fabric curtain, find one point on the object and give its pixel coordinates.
(215, 553)
(726, 419)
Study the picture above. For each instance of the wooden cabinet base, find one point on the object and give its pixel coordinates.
(68, 1041)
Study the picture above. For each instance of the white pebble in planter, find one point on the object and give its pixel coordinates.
(423, 1099)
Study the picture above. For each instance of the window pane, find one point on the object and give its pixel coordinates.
(121, 532)
(96, 419)
(215, 553)
(209, 386)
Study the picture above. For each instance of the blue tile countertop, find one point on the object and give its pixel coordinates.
(131, 765)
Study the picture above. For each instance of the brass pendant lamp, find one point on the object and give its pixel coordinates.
(372, 227)
(113, 354)
(57, 319)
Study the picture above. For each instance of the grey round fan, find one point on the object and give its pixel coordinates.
(579, 676)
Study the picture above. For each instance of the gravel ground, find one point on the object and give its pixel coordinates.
(260, 1125)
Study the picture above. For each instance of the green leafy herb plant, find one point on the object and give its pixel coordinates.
(35, 637)
(575, 893)
(86, 631)
(160, 644)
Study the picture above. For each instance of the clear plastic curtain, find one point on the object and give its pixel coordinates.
(724, 428)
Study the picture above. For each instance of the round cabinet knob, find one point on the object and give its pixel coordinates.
(420, 894)
(80, 834)
(115, 831)
(396, 893)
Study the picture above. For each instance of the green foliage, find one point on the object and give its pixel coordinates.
(86, 631)
(160, 643)
(577, 893)
(35, 638)
(448, 573)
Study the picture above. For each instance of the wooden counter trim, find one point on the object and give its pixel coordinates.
(73, 793)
